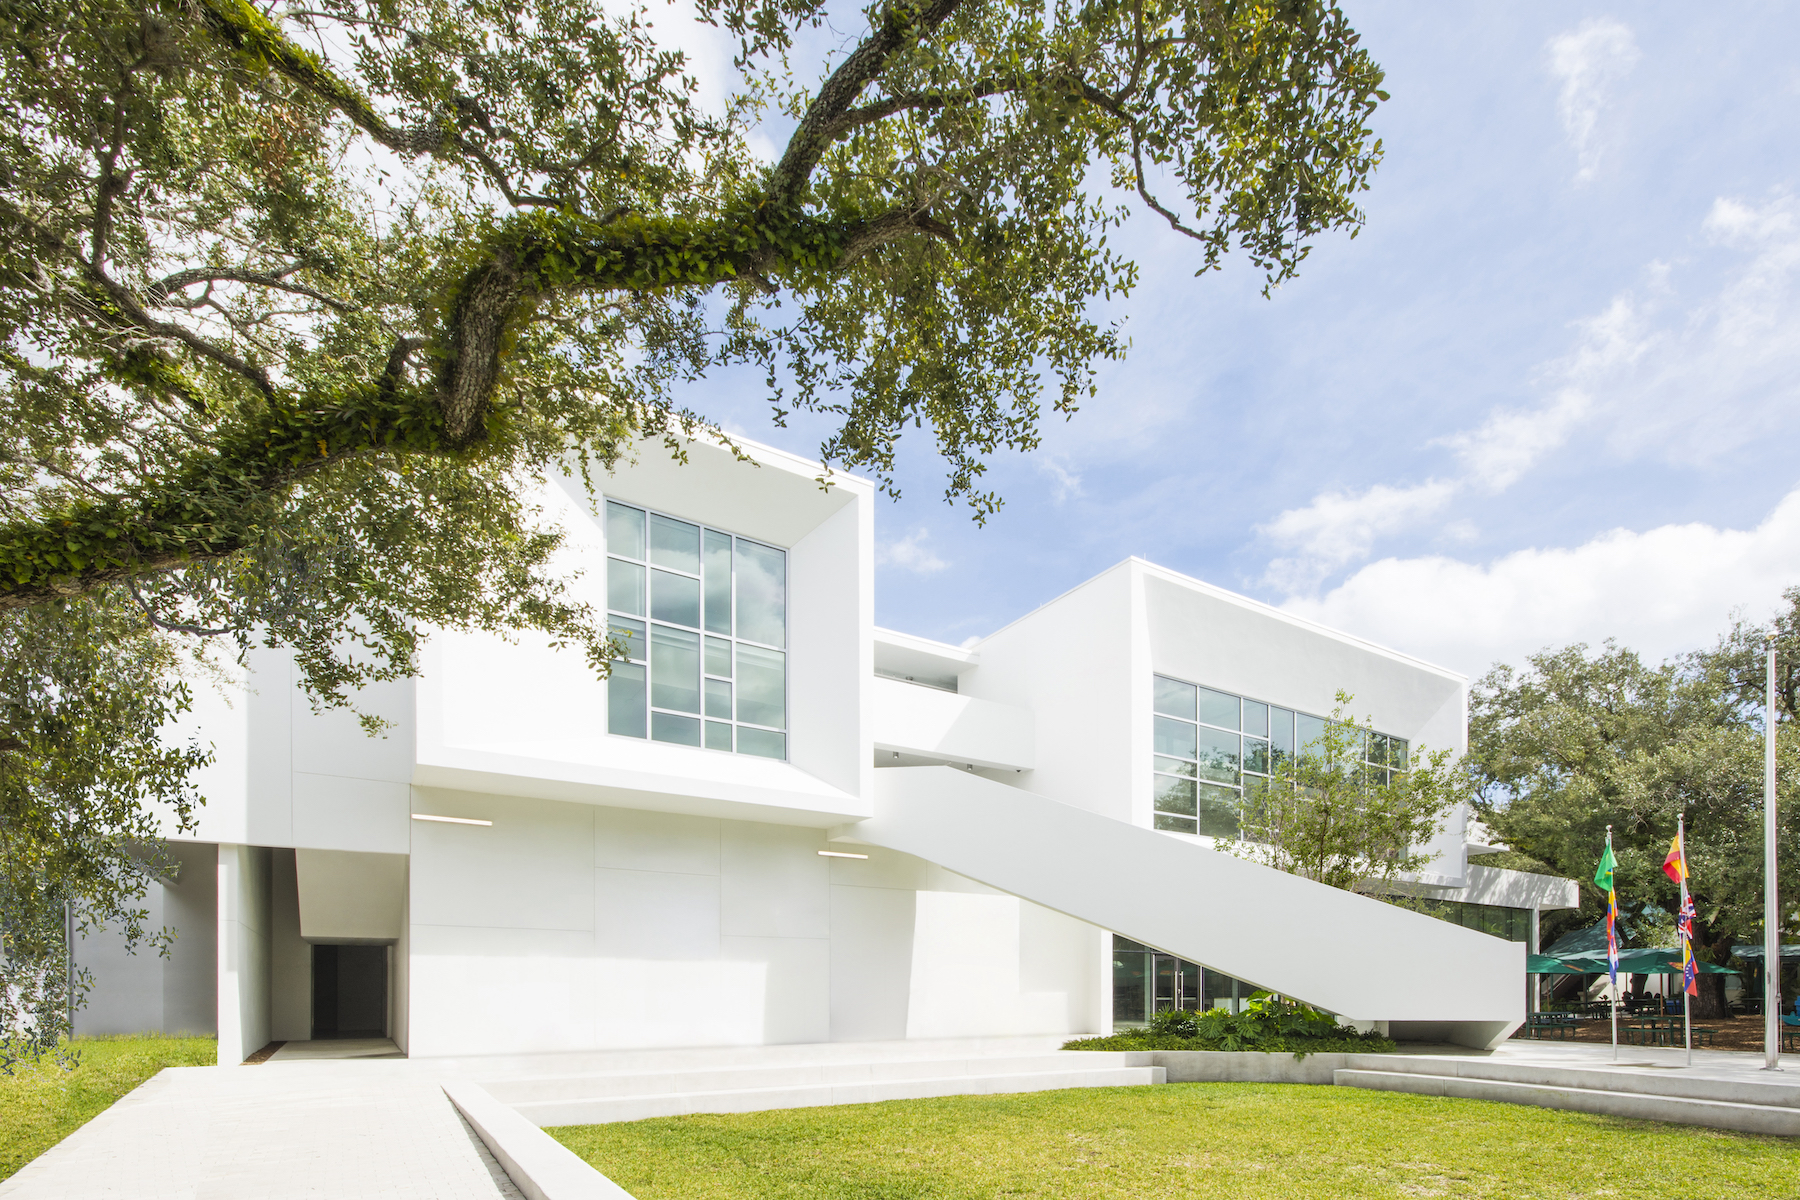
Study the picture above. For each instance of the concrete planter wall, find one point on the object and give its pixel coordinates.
(1249, 1066)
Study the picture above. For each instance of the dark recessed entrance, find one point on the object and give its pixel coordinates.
(349, 991)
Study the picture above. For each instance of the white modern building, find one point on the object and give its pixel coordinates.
(779, 823)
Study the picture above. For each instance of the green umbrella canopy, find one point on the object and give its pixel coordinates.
(1641, 962)
(1543, 964)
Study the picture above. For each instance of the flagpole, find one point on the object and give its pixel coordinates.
(1612, 946)
(1687, 942)
(1771, 900)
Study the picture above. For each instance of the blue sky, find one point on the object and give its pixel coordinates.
(1547, 395)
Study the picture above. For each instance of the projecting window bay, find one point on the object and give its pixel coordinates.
(1211, 745)
(703, 616)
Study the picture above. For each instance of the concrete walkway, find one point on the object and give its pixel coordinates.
(343, 1130)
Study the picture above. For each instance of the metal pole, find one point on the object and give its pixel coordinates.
(1687, 944)
(1612, 916)
(1771, 898)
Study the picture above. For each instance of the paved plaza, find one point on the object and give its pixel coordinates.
(352, 1121)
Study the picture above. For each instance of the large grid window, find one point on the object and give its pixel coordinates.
(1211, 745)
(703, 616)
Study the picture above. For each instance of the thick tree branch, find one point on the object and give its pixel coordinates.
(897, 24)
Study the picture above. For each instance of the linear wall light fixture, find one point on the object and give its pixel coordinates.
(840, 854)
(449, 820)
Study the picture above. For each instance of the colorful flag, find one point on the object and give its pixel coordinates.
(1603, 877)
(1675, 866)
(1603, 874)
(1686, 926)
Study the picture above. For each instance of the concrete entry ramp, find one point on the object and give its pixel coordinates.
(1722, 1092)
(1360, 958)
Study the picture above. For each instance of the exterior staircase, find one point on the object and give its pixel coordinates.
(587, 1089)
(1640, 1090)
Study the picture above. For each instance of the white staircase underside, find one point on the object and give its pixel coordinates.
(1357, 957)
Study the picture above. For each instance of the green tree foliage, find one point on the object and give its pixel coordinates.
(1331, 815)
(1577, 740)
(299, 302)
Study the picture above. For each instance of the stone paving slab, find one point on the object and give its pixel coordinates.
(357, 1130)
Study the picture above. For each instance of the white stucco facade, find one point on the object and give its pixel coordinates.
(524, 878)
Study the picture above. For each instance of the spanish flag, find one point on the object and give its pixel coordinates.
(1675, 866)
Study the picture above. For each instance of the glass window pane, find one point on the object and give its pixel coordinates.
(625, 587)
(625, 700)
(1174, 795)
(1218, 755)
(1218, 811)
(631, 633)
(1174, 824)
(1256, 718)
(718, 582)
(674, 544)
(718, 735)
(1397, 749)
(1216, 991)
(1174, 698)
(718, 657)
(1174, 738)
(761, 593)
(762, 688)
(718, 699)
(1174, 766)
(1309, 732)
(1378, 749)
(1131, 995)
(624, 530)
(675, 671)
(1256, 755)
(1218, 708)
(674, 598)
(1281, 733)
(667, 727)
(762, 743)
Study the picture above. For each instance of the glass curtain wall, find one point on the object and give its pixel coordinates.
(1513, 924)
(1147, 981)
(703, 615)
(1211, 745)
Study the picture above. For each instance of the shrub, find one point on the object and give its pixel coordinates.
(1268, 1023)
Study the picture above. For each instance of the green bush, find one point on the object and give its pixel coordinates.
(1268, 1023)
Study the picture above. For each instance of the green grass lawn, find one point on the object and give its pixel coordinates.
(41, 1105)
(1237, 1140)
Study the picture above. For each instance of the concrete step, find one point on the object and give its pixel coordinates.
(596, 1110)
(1642, 1076)
(1775, 1119)
(711, 1057)
(599, 1084)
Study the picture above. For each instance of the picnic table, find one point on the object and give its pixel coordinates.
(1662, 1031)
(1551, 1024)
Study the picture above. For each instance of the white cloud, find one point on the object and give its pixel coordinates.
(1339, 528)
(1065, 482)
(910, 554)
(1588, 60)
(1660, 592)
(1646, 377)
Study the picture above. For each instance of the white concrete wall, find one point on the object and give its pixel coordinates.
(243, 946)
(568, 926)
(914, 719)
(143, 992)
(1072, 665)
(523, 719)
(290, 957)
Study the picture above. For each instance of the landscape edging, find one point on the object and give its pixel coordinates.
(539, 1165)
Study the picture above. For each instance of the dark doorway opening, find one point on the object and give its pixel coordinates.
(349, 991)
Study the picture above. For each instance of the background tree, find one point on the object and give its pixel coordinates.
(1577, 741)
(298, 302)
(1336, 814)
